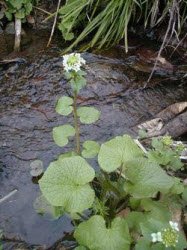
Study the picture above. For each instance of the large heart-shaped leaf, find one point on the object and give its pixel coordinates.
(93, 234)
(66, 183)
(61, 134)
(64, 105)
(116, 152)
(145, 179)
(91, 149)
(88, 115)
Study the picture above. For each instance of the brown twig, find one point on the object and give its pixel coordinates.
(54, 23)
(165, 39)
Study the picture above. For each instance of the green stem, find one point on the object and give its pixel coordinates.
(76, 124)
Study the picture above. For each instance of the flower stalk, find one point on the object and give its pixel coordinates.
(76, 124)
(72, 65)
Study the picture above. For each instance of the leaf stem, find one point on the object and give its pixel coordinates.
(76, 124)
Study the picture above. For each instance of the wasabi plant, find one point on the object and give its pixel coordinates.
(66, 105)
(130, 203)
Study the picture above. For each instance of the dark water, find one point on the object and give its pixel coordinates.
(28, 95)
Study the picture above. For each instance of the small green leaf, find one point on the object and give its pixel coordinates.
(63, 106)
(20, 14)
(88, 115)
(178, 186)
(17, 4)
(91, 149)
(94, 234)
(8, 15)
(61, 134)
(66, 183)
(146, 179)
(117, 152)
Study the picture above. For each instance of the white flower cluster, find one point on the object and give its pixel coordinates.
(73, 62)
(168, 236)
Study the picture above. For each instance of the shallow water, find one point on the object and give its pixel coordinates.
(29, 92)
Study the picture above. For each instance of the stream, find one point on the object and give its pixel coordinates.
(29, 90)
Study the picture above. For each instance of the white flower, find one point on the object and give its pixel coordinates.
(174, 225)
(156, 237)
(73, 61)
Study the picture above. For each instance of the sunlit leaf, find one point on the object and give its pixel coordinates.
(95, 235)
(91, 149)
(64, 105)
(88, 115)
(66, 183)
(117, 152)
(61, 134)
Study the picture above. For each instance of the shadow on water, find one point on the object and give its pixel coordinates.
(29, 92)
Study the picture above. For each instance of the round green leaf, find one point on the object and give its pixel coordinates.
(117, 152)
(63, 106)
(88, 115)
(93, 234)
(91, 149)
(61, 134)
(66, 183)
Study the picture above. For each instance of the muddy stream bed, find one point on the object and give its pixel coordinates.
(29, 91)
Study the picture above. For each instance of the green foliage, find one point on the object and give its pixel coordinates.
(117, 152)
(88, 115)
(107, 22)
(64, 106)
(61, 134)
(94, 234)
(19, 8)
(145, 179)
(90, 149)
(164, 154)
(66, 183)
